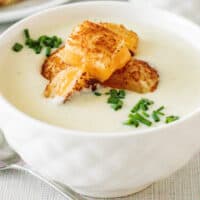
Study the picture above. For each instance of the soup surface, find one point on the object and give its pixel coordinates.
(176, 60)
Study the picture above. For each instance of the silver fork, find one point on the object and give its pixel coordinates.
(9, 159)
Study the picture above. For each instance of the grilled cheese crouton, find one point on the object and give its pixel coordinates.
(97, 50)
(67, 82)
(100, 53)
(54, 64)
(130, 37)
(136, 76)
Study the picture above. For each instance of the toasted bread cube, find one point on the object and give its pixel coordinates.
(136, 76)
(97, 50)
(66, 82)
(54, 64)
(130, 37)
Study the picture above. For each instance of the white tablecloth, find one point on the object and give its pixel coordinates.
(183, 185)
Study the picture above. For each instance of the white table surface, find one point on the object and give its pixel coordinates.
(182, 185)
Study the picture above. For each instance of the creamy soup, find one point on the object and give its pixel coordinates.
(176, 60)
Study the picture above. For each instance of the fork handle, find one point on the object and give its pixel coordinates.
(63, 190)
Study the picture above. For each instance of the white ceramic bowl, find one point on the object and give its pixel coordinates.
(102, 164)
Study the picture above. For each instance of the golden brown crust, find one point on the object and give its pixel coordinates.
(96, 49)
(136, 76)
(67, 82)
(53, 64)
(97, 53)
(130, 37)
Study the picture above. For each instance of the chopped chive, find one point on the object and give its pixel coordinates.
(156, 113)
(132, 122)
(118, 105)
(113, 93)
(42, 39)
(113, 100)
(143, 104)
(115, 97)
(160, 109)
(57, 42)
(38, 49)
(54, 38)
(139, 114)
(141, 119)
(26, 33)
(145, 114)
(121, 94)
(30, 43)
(161, 113)
(155, 116)
(48, 51)
(17, 47)
(38, 44)
(171, 118)
(136, 108)
(97, 94)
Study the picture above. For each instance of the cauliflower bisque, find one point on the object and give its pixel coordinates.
(176, 60)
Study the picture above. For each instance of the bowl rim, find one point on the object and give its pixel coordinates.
(59, 129)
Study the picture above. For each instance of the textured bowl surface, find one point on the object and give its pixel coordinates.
(102, 164)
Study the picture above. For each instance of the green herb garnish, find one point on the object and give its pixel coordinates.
(140, 119)
(26, 33)
(143, 104)
(160, 109)
(145, 114)
(171, 118)
(17, 47)
(48, 51)
(155, 116)
(37, 49)
(139, 114)
(115, 98)
(132, 122)
(121, 94)
(143, 120)
(97, 94)
(117, 105)
(39, 44)
(157, 113)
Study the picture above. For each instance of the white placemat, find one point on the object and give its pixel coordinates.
(183, 185)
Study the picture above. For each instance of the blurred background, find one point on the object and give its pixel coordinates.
(187, 8)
